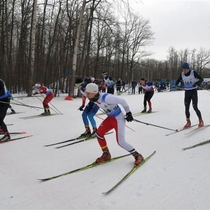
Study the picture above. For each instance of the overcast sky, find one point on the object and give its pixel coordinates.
(176, 23)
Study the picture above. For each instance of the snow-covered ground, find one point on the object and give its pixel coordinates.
(171, 179)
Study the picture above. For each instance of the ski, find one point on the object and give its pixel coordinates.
(36, 116)
(23, 132)
(9, 124)
(76, 142)
(182, 129)
(83, 168)
(140, 113)
(197, 145)
(14, 139)
(65, 141)
(79, 141)
(197, 129)
(69, 140)
(135, 167)
(15, 113)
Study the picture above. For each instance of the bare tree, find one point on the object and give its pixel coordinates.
(74, 60)
(203, 59)
(32, 49)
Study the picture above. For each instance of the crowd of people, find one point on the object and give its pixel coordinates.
(101, 96)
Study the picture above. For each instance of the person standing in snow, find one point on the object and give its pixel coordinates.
(41, 89)
(148, 94)
(4, 105)
(108, 82)
(133, 87)
(89, 111)
(191, 80)
(115, 120)
(118, 86)
(123, 86)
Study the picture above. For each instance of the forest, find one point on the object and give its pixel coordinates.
(56, 42)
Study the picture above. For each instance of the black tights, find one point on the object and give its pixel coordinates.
(147, 98)
(3, 112)
(191, 95)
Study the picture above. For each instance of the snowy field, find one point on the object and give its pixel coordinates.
(171, 179)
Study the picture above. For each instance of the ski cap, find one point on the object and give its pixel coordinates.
(92, 79)
(37, 85)
(185, 66)
(91, 88)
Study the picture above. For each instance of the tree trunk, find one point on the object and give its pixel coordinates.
(74, 64)
(32, 50)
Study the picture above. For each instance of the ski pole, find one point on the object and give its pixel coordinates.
(56, 111)
(125, 125)
(22, 105)
(155, 125)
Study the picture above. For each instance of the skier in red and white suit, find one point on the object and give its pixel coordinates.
(41, 89)
(115, 120)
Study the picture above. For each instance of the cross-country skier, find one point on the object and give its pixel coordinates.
(191, 80)
(148, 94)
(41, 89)
(89, 111)
(4, 104)
(115, 120)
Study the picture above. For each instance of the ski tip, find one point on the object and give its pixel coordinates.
(153, 153)
(29, 136)
(46, 145)
(43, 180)
(23, 132)
(59, 147)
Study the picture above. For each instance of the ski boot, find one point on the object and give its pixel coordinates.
(188, 124)
(46, 112)
(201, 123)
(12, 111)
(150, 110)
(138, 158)
(144, 110)
(106, 156)
(5, 138)
(93, 134)
(87, 132)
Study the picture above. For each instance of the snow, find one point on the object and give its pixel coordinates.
(171, 179)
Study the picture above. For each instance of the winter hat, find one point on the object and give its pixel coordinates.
(92, 79)
(37, 85)
(185, 66)
(91, 88)
(104, 73)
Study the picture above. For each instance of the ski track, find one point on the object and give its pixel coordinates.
(171, 179)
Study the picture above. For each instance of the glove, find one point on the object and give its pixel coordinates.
(194, 85)
(81, 108)
(129, 117)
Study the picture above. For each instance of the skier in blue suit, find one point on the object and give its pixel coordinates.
(89, 111)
